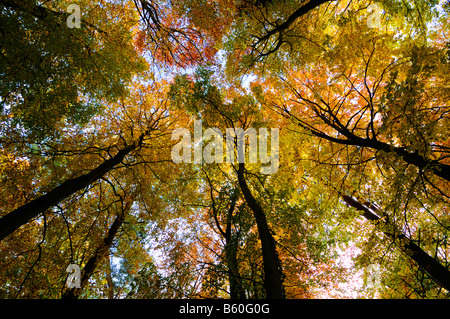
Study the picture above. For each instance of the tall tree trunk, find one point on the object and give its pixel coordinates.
(234, 277)
(22, 215)
(437, 271)
(109, 279)
(100, 253)
(231, 249)
(231, 244)
(437, 168)
(273, 274)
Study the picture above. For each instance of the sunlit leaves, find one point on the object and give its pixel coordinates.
(359, 110)
(52, 73)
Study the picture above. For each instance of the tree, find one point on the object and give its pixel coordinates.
(113, 158)
(231, 241)
(273, 274)
(25, 213)
(100, 253)
(53, 75)
(436, 270)
(178, 37)
(357, 99)
(89, 171)
(272, 266)
(200, 97)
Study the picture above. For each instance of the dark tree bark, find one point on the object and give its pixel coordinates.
(273, 274)
(231, 249)
(99, 255)
(312, 4)
(109, 279)
(436, 270)
(234, 277)
(437, 168)
(231, 244)
(280, 29)
(349, 138)
(23, 214)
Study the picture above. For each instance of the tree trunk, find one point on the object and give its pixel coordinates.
(438, 272)
(273, 274)
(304, 9)
(22, 215)
(231, 249)
(234, 276)
(109, 279)
(437, 168)
(231, 245)
(99, 255)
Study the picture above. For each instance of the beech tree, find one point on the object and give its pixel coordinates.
(53, 74)
(361, 150)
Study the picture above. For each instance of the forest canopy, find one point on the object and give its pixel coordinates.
(242, 149)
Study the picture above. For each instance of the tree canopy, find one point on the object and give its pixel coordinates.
(240, 149)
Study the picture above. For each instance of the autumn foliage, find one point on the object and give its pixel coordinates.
(87, 175)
